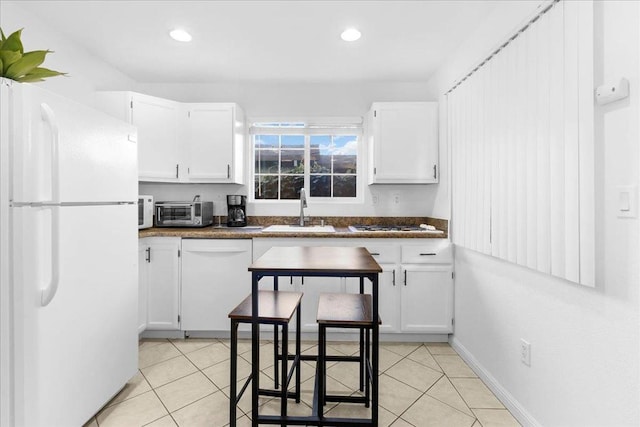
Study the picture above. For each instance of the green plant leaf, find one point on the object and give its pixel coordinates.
(8, 57)
(39, 74)
(28, 79)
(13, 42)
(1, 73)
(26, 64)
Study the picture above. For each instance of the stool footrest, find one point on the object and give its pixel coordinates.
(342, 358)
(349, 399)
(275, 393)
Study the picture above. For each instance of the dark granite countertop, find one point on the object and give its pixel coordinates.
(341, 224)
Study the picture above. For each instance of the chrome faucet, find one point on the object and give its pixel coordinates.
(303, 204)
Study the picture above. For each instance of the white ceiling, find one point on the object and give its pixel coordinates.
(268, 40)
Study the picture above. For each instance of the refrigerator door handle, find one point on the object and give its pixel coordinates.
(49, 117)
(50, 290)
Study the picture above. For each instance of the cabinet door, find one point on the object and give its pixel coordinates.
(388, 296)
(143, 284)
(404, 143)
(426, 299)
(215, 279)
(157, 123)
(210, 135)
(164, 284)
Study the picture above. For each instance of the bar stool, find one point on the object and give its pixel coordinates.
(344, 311)
(275, 308)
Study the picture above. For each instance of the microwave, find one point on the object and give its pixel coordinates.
(184, 214)
(145, 212)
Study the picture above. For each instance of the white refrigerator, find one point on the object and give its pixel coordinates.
(68, 258)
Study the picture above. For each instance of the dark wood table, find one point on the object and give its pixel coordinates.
(314, 261)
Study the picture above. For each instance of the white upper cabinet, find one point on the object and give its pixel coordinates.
(403, 143)
(182, 142)
(158, 127)
(158, 123)
(215, 135)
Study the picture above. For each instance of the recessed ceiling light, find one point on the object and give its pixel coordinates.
(180, 35)
(350, 35)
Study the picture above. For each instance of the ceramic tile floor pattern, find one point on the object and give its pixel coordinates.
(186, 383)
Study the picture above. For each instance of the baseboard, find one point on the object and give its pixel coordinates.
(507, 399)
(305, 336)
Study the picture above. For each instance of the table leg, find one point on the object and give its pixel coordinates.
(275, 343)
(234, 373)
(255, 350)
(374, 332)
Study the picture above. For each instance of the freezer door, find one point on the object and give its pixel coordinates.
(72, 355)
(66, 152)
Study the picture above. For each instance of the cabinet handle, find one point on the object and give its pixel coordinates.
(177, 168)
(291, 280)
(374, 253)
(228, 171)
(394, 277)
(405, 277)
(148, 259)
(428, 254)
(434, 171)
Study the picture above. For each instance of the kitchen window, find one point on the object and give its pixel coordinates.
(321, 158)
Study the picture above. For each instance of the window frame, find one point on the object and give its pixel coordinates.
(316, 126)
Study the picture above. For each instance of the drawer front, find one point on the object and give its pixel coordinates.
(384, 253)
(432, 252)
(216, 245)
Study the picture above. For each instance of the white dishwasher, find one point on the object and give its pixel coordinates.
(215, 278)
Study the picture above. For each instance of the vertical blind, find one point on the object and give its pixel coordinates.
(520, 128)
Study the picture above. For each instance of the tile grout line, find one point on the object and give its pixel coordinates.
(161, 402)
(218, 389)
(243, 413)
(444, 375)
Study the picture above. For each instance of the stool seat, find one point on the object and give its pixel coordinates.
(275, 306)
(345, 309)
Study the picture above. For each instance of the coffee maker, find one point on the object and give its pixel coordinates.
(236, 211)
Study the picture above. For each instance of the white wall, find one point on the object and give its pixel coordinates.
(87, 73)
(290, 100)
(585, 345)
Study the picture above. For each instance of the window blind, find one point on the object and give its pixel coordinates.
(520, 128)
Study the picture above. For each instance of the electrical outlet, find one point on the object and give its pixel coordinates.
(374, 199)
(396, 198)
(525, 352)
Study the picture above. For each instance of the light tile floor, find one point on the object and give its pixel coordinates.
(186, 383)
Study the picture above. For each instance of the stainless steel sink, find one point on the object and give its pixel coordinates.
(299, 229)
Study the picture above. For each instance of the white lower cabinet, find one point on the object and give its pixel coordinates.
(159, 273)
(196, 292)
(415, 286)
(426, 291)
(388, 297)
(426, 298)
(215, 278)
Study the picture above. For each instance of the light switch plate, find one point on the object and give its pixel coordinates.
(627, 201)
